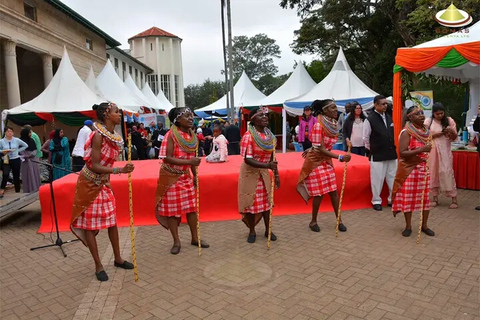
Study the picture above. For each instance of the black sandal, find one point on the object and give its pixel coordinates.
(251, 238)
(342, 228)
(203, 244)
(428, 232)
(175, 249)
(124, 265)
(273, 237)
(407, 232)
(315, 228)
(101, 276)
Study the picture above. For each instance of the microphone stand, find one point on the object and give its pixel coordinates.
(59, 242)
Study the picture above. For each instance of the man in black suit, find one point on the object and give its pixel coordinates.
(379, 142)
(232, 133)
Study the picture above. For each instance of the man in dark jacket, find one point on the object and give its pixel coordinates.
(379, 142)
(157, 138)
(232, 133)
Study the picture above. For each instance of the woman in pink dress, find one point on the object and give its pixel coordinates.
(317, 177)
(175, 195)
(440, 161)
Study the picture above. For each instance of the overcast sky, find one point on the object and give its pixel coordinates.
(198, 23)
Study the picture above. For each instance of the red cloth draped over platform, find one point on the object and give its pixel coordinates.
(466, 166)
(218, 191)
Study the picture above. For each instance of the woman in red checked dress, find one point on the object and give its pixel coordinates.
(254, 183)
(409, 184)
(317, 176)
(94, 203)
(175, 195)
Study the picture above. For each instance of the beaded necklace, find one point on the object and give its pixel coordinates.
(266, 144)
(188, 145)
(114, 137)
(330, 127)
(422, 135)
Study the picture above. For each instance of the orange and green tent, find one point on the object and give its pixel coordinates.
(453, 56)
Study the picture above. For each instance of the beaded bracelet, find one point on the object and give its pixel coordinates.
(116, 171)
(340, 158)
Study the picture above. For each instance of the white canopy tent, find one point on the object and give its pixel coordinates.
(113, 89)
(90, 82)
(297, 84)
(468, 72)
(340, 84)
(136, 91)
(244, 94)
(159, 100)
(65, 93)
(153, 100)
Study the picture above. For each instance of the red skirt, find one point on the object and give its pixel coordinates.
(101, 214)
(409, 196)
(179, 199)
(261, 203)
(321, 181)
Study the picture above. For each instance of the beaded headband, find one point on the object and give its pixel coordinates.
(187, 110)
(109, 107)
(414, 111)
(328, 105)
(261, 111)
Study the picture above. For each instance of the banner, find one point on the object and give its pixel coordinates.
(425, 101)
(149, 119)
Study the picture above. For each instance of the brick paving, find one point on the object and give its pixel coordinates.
(370, 272)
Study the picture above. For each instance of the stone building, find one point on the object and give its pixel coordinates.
(32, 36)
(161, 51)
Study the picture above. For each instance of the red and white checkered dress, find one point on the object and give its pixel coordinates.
(179, 198)
(102, 213)
(409, 196)
(322, 179)
(249, 149)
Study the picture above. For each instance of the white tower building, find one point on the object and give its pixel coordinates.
(161, 51)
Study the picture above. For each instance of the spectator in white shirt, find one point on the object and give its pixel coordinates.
(378, 137)
(79, 149)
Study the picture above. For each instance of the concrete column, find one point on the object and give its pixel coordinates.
(47, 69)
(159, 71)
(173, 99)
(11, 74)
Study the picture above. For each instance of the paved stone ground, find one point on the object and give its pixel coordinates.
(370, 272)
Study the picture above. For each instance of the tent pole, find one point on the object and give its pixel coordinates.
(284, 130)
(124, 132)
(230, 61)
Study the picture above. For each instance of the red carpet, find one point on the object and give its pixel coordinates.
(218, 191)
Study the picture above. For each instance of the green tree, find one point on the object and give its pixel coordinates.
(268, 83)
(316, 69)
(254, 55)
(368, 31)
(201, 95)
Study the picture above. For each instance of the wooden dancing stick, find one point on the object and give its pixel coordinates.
(419, 236)
(198, 209)
(130, 202)
(269, 239)
(343, 189)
